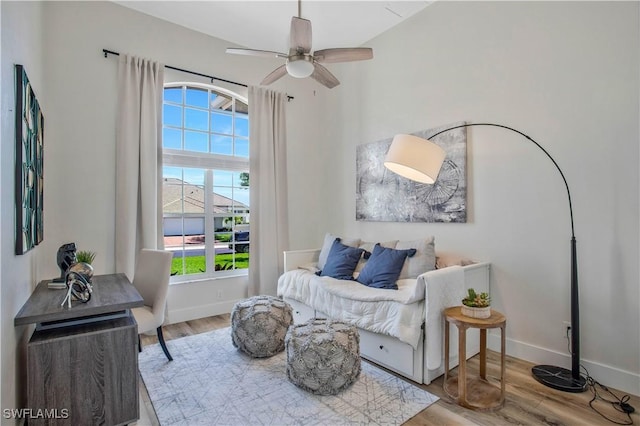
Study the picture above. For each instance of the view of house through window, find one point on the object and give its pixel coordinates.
(205, 183)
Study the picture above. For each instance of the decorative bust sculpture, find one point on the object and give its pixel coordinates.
(65, 258)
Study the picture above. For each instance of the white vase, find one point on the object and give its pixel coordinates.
(473, 312)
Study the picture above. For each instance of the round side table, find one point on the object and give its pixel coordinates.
(475, 393)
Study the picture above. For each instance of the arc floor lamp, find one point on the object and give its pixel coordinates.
(420, 160)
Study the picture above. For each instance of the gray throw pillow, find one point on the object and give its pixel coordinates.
(423, 261)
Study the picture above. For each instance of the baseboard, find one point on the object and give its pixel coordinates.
(625, 381)
(200, 311)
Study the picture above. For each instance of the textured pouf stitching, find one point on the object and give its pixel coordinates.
(259, 325)
(324, 365)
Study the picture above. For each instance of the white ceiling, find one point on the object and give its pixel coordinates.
(265, 25)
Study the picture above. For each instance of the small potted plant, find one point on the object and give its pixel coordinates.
(476, 305)
(85, 256)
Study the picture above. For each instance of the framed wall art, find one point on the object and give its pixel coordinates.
(384, 196)
(29, 176)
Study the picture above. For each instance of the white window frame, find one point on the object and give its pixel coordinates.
(208, 162)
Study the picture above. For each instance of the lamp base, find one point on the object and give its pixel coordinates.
(558, 378)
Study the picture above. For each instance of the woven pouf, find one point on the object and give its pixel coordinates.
(259, 325)
(323, 356)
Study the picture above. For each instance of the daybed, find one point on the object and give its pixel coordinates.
(401, 329)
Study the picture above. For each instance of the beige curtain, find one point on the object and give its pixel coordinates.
(138, 160)
(269, 233)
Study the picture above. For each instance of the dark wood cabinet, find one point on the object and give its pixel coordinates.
(89, 370)
(82, 364)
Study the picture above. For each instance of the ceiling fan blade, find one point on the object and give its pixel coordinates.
(300, 35)
(275, 75)
(324, 77)
(254, 52)
(343, 54)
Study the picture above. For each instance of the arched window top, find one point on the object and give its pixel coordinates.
(205, 86)
(205, 119)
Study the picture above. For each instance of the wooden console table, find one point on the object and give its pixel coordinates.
(475, 393)
(82, 363)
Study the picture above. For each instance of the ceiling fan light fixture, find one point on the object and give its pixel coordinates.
(300, 66)
(301, 61)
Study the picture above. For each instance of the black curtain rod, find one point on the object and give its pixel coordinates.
(211, 77)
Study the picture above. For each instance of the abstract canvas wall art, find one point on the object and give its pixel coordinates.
(29, 177)
(384, 196)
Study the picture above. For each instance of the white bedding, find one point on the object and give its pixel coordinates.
(446, 288)
(398, 313)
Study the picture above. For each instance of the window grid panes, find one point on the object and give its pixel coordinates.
(205, 208)
(226, 126)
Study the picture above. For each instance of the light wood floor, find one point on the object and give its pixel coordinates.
(527, 401)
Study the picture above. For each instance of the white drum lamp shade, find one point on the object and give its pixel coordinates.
(414, 158)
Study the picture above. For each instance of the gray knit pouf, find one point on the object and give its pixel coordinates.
(259, 325)
(323, 356)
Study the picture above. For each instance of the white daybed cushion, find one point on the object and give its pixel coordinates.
(409, 291)
(398, 313)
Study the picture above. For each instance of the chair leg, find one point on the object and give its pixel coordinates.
(139, 344)
(162, 344)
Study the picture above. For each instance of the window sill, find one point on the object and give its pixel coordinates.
(208, 279)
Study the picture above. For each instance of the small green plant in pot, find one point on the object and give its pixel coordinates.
(476, 305)
(85, 256)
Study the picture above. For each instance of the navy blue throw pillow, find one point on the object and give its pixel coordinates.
(341, 262)
(383, 267)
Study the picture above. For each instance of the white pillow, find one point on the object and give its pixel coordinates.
(423, 261)
(444, 260)
(326, 247)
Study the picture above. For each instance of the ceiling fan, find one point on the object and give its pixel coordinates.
(300, 62)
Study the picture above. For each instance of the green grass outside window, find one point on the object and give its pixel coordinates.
(197, 264)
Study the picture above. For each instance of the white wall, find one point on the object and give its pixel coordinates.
(567, 75)
(22, 43)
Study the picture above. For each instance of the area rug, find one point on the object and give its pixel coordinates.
(209, 382)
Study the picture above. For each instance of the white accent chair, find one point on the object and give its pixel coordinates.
(151, 279)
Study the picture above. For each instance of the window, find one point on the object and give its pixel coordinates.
(205, 182)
